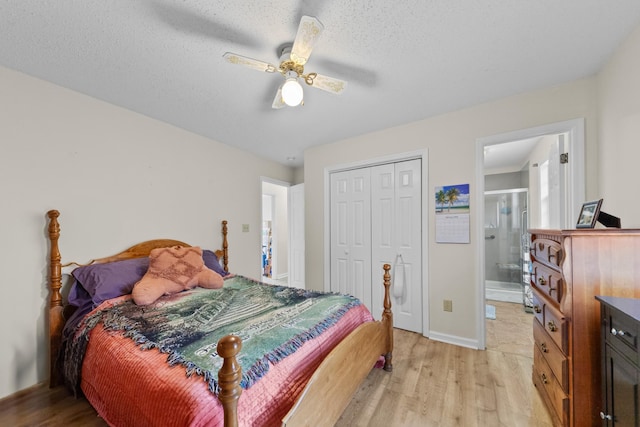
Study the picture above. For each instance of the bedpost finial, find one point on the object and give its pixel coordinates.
(229, 346)
(53, 214)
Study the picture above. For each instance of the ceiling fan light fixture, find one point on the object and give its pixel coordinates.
(293, 57)
(292, 93)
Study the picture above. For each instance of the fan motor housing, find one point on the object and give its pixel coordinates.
(289, 65)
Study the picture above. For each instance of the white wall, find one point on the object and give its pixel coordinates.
(117, 178)
(450, 140)
(619, 132)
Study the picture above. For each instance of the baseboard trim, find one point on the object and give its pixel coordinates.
(455, 340)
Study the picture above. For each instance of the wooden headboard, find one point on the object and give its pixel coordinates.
(57, 304)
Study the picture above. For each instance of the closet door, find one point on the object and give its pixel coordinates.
(351, 233)
(396, 230)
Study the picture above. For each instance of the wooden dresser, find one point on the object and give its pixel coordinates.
(569, 268)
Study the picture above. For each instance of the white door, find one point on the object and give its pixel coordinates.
(296, 236)
(396, 210)
(351, 233)
(553, 203)
(557, 185)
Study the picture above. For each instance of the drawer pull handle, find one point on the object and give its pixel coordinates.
(542, 281)
(537, 308)
(618, 332)
(552, 326)
(605, 416)
(544, 379)
(544, 348)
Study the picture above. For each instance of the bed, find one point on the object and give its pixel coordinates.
(310, 385)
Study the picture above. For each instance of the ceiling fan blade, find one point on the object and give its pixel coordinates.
(278, 102)
(249, 62)
(328, 84)
(309, 31)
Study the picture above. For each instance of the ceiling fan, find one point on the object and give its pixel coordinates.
(292, 61)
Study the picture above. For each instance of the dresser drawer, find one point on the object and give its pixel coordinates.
(557, 327)
(622, 333)
(546, 382)
(548, 282)
(547, 252)
(554, 357)
(538, 307)
(552, 321)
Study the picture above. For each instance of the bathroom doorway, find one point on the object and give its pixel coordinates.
(552, 168)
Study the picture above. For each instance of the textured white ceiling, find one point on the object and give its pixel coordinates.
(404, 61)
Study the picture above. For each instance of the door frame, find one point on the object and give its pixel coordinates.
(393, 158)
(293, 209)
(575, 186)
(286, 185)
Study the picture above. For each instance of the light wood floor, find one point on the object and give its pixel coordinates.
(438, 384)
(432, 384)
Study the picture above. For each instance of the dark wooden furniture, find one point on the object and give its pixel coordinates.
(329, 389)
(569, 268)
(620, 349)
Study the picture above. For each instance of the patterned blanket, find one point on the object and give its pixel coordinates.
(273, 322)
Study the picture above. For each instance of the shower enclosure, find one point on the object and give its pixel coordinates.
(507, 246)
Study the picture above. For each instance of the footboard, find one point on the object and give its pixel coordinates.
(338, 377)
(333, 385)
(336, 380)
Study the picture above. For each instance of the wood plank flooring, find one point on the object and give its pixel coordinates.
(432, 384)
(438, 384)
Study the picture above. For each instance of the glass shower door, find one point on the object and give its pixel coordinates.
(506, 251)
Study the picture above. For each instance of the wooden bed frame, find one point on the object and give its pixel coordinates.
(330, 388)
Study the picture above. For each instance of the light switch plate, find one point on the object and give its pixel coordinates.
(245, 228)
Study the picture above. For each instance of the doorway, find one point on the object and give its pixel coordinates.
(556, 192)
(274, 262)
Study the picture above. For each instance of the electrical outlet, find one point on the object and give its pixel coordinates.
(447, 305)
(245, 228)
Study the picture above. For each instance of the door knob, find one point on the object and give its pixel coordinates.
(617, 332)
(605, 416)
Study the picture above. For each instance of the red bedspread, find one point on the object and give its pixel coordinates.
(130, 387)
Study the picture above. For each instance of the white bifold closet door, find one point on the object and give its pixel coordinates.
(351, 233)
(376, 219)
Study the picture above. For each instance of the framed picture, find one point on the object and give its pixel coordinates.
(589, 214)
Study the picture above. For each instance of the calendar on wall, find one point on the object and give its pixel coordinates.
(452, 214)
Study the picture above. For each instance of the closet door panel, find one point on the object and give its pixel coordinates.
(351, 233)
(383, 219)
(394, 212)
(407, 296)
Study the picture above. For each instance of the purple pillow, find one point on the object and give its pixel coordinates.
(211, 261)
(108, 280)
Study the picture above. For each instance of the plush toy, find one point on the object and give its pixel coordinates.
(172, 270)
